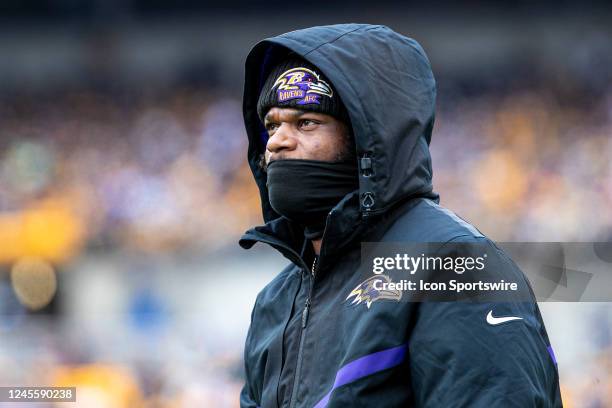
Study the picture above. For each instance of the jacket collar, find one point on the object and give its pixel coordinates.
(345, 226)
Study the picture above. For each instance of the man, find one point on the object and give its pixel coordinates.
(339, 120)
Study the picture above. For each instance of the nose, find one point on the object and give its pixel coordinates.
(282, 139)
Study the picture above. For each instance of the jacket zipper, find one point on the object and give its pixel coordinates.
(307, 305)
(305, 311)
(298, 366)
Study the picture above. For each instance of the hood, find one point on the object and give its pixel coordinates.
(386, 83)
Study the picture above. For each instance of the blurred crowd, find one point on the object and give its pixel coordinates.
(528, 165)
(90, 170)
(154, 367)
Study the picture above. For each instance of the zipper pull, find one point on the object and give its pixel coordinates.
(314, 265)
(305, 313)
(307, 305)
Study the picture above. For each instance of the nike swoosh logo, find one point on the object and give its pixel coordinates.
(494, 321)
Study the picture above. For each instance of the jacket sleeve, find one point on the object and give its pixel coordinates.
(247, 399)
(458, 359)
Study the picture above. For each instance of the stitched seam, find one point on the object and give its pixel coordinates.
(336, 39)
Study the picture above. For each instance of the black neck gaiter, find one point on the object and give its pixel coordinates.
(305, 191)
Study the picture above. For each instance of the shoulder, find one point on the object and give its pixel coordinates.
(423, 220)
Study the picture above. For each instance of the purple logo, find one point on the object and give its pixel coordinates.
(302, 84)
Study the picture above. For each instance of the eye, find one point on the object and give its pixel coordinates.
(271, 126)
(307, 123)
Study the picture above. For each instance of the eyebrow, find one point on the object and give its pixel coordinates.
(294, 114)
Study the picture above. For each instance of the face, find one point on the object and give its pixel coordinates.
(297, 134)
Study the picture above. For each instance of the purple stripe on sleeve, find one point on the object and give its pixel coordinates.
(552, 354)
(364, 366)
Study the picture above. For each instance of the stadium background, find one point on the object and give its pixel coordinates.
(124, 188)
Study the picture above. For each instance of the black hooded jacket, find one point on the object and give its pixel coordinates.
(307, 346)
